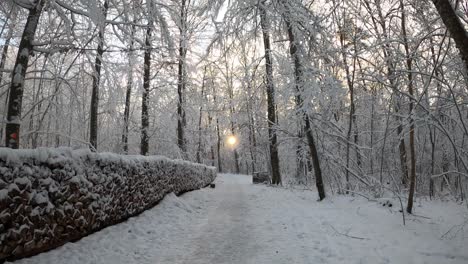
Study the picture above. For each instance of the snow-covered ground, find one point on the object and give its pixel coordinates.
(238, 222)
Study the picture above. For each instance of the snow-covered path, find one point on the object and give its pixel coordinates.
(238, 222)
(226, 232)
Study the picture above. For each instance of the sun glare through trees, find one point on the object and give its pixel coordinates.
(343, 97)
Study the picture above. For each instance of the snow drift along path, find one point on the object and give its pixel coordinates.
(243, 223)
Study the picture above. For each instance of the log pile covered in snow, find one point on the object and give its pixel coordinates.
(52, 196)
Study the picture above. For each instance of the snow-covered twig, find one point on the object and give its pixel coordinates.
(422, 216)
(346, 235)
(447, 172)
(459, 227)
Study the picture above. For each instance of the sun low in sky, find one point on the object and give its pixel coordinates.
(232, 140)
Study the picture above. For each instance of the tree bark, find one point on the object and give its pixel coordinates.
(181, 83)
(272, 121)
(409, 62)
(93, 121)
(128, 95)
(144, 144)
(210, 119)
(299, 84)
(250, 117)
(431, 127)
(454, 26)
(25, 50)
(6, 46)
(352, 107)
(200, 118)
(218, 146)
(212, 150)
(218, 133)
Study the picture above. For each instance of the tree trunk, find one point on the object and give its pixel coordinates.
(299, 83)
(454, 26)
(352, 116)
(4, 55)
(251, 120)
(200, 118)
(402, 150)
(38, 96)
(252, 140)
(93, 121)
(218, 133)
(181, 121)
(218, 145)
(231, 113)
(210, 122)
(128, 95)
(272, 122)
(230, 87)
(409, 66)
(391, 78)
(212, 150)
(301, 166)
(432, 137)
(25, 49)
(432, 128)
(144, 145)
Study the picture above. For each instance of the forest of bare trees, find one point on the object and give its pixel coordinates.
(347, 96)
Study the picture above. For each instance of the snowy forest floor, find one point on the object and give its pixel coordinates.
(238, 222)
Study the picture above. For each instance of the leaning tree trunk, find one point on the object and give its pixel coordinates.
(25, 49)
(454, 26)
(272, 122)
(299, 82)
(144, 144)
(93, 120)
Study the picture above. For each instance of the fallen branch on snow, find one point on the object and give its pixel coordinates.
(346, 235)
